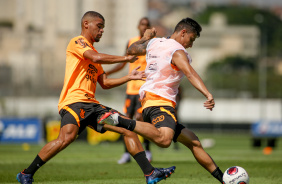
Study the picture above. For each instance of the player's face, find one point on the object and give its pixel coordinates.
(96, 28)
(189, 39)
(143, 25)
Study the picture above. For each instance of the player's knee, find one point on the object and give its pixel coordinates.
(196, 143)
(66, 140)
(164, 143)
(127, 133)
(70, 139)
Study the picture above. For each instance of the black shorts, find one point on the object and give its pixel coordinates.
(83, 114)
(132, 105)
(163, 116)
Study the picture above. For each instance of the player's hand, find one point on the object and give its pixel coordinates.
(150, 33)
(137, 75)
(131, 58)
(209, 103)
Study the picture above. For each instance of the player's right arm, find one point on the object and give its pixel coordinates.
(101, 58)
(139, 47)
(180, 59)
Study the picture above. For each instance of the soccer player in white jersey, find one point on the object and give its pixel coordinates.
(167, 63)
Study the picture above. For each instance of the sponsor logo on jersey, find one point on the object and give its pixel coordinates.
(153, 67)
(151, 56)
(93, 68)
(91, 73)
(158, 119)
(81, 42)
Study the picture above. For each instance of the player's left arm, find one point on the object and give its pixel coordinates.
(139, 47)
(117, 68)
(107, 83)
(180, 60)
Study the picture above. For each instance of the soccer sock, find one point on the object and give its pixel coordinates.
(34, 166)
(128, 124)
(217, 173)
(143, 162)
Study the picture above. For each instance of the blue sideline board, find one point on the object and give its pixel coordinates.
(19, 130)
(267, 129)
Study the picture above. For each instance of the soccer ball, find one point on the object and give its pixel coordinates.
(235, 175)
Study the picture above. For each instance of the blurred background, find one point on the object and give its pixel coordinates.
(239, 57)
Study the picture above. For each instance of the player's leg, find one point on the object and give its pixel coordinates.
(128, 109)
(160, 130)
(191, 141)
(139, 117)
(125, 157)
(175, 145)
(68, 132)
(134, 146)
(131, 140)
(161, 136)
(66, 136)
(157, 174)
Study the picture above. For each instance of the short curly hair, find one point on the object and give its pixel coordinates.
(190, 25)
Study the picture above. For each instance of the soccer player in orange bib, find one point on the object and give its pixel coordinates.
(132, 107)
(78, 106)
(167, 63)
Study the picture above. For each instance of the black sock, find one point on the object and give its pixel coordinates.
(128, 124)
(34, 166)
(143, 162)
(217, 173)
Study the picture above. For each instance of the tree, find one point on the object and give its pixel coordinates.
(236, 76)
(269, 24)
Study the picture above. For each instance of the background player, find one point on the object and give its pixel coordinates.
(176, 109)
(132, 107)
(78, 106)
(167, 63)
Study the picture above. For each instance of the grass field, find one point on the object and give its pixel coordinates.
(83, 163)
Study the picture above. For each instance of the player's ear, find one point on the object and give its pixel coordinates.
(183, 32)
(85, 24)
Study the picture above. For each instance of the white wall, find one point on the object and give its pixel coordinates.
(231, 111)
(191, 110)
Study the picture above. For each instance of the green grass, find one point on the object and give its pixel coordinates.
(84, 163)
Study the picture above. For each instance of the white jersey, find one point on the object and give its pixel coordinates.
(163, 78)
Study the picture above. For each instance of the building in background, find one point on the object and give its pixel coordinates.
(34, 35)
(219, 40)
